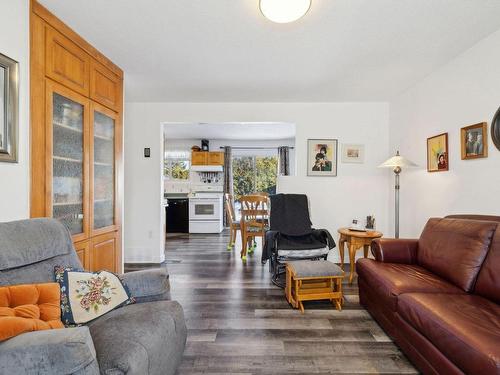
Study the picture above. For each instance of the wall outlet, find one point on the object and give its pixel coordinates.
(150, 234)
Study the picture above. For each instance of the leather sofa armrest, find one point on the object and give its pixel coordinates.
(52, 351)
(148, 285)
(391, 250)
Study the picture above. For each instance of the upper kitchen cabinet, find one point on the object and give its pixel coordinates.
(199, 158)
(215, 158)
(105, 86)
(66, 63)
(76, 139)
(207, 158)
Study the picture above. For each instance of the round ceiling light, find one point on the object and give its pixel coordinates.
(284, 11)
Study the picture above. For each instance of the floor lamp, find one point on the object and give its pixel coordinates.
(397, 163)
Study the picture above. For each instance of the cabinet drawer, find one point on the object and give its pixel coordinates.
(215, 158)
(105, 86)
(199, 158)
(66, 63)
(83, 252)
(104, 252)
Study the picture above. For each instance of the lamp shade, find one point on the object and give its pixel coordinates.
(397, 161)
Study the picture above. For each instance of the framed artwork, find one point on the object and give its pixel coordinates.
(437, 153)
(495, 129)
(474, 141)
(9, 99)
(353, 153)
(322, 157)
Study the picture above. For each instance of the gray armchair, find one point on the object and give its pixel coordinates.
(144, 338)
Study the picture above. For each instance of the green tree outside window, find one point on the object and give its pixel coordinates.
(254, 174)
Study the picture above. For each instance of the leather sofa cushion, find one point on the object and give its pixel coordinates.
(389, 280)
(454, 249)
(465, 328)
(488, 281)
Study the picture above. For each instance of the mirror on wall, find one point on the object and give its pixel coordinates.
(9, 100)
(495, 129)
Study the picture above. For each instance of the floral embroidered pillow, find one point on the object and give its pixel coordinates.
(86, 296)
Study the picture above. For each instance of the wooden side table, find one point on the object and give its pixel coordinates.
(355, 240)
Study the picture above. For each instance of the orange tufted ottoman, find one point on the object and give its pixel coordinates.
(29, 307)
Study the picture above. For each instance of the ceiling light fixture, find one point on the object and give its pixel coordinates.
(284, 11)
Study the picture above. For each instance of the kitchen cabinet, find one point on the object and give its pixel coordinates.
(215, 158)
(207, 158)
(76, 139)
(199, 158)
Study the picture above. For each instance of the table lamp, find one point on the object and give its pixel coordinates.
(397, 163)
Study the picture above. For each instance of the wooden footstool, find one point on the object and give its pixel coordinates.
(308, 280)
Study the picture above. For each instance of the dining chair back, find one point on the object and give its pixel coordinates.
(234, 225)
(254, 221)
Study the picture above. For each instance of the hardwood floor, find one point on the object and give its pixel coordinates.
(240, 323)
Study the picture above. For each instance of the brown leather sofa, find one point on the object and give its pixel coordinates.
(438, 297)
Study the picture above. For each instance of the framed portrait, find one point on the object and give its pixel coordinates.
(353, 153)
(9, 99)
(322, 157)
(474, 141)
(437, 153)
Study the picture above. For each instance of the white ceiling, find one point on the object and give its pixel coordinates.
(230, 130)
(225, 50)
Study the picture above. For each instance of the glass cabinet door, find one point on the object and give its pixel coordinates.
(103, 167)
(68, 174)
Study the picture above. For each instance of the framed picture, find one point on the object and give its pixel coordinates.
(322, 157)
(353, 153)
(9, 99)
(437, 153)
(474, 141)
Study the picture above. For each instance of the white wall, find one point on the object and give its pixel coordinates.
(463, 92)
(14, 43)
(359, 189)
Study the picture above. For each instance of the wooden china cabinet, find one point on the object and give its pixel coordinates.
(76, 139)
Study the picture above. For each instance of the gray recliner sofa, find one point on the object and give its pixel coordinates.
(143, 338)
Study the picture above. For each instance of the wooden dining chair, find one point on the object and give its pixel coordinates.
(234, 225)
(253, 223)
(264, 194)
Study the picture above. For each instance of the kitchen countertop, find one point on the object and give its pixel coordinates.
(167, 196)
(175, 195)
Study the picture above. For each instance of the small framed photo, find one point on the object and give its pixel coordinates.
(322, 157)
(437, 153)
(474, 141)
(353, 153)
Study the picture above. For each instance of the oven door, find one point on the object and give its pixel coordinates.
(204, 209)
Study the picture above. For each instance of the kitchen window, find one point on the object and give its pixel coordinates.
(176, 165)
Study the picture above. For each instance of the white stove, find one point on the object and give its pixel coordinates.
(205, 213)
(205, 202)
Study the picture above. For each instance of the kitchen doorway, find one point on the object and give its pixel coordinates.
(196, 158)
